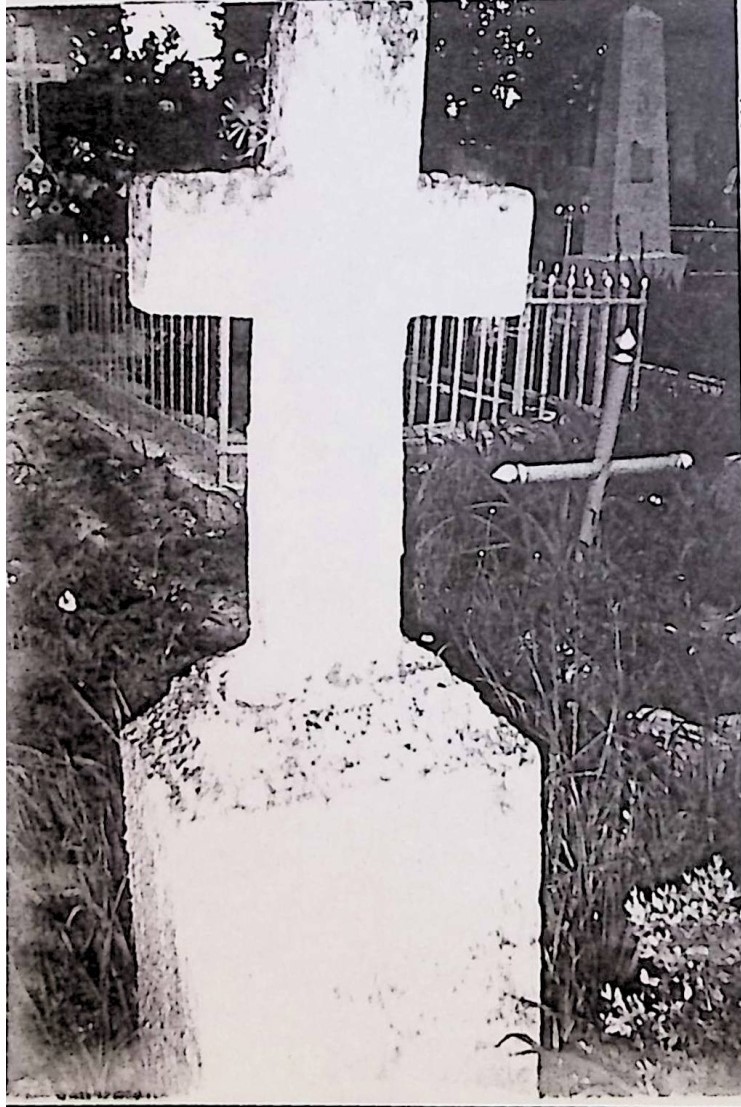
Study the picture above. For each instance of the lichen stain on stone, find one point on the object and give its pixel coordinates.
(345, 730)
(396, 24)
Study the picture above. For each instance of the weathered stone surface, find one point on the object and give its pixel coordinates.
(629, 191)
(342, 844)
(341, 889)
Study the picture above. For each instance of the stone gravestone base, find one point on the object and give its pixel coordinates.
(336, 897)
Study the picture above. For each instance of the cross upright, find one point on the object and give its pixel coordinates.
(27, 72)
(308, 857)
(350, 243)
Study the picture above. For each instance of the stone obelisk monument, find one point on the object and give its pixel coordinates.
(335, 847)
(628, 219)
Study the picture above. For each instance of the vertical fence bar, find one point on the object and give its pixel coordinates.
(416, 325)
(206, 339)
(103, 298)
(77, 273)
(563, 376)
(154, 374)
(107, 292)
(69, 271)
(81, 302)
(436, 325)
(498, 368)
(82, 289)
(108, 327)
(224, 368)
(455, 393)
(123, 327)
(600, 363)
(163, 350)
(139, 371)
(101, 365)
(532, 350)
(635, 373)
(549, 311)
(481, 355)
(583, 342)
(179, 369)
(539, 308)
(194, 372)
(74, 290)
(521, 363)
(84, 299)
(69, 268)
(160, 353)
(63, 292)
(92, 298)
(169, 322)
(90, 325)
(97, 280)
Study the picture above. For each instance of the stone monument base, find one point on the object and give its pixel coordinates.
(336, 896)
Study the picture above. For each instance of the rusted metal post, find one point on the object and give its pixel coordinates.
(600, 468)
(622, 362)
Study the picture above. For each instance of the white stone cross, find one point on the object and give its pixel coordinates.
(27, 72)
(331, 837)
(332, 254)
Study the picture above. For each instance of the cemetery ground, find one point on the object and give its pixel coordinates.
(120, 574)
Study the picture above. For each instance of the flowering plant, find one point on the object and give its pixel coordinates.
(688, 937)
(37, 191)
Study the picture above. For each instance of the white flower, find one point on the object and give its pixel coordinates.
(67, 601)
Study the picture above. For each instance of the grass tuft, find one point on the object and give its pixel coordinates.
(571, 651)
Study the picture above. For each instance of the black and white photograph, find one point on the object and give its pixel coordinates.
(373, 552)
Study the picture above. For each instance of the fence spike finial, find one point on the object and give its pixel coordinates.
(571, 277)
(607, 278)
(588, 278)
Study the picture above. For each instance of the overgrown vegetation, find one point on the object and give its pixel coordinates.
(119, 575)
(618, 667)
(571, 651)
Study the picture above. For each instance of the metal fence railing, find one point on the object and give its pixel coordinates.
(468, 371)
(193, 370)
(176, 365)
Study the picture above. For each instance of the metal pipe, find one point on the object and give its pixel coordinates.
(622, 363)
(511, 473)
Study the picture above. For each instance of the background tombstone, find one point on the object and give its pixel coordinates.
(27, 72)
(334, 846)
(628, 216)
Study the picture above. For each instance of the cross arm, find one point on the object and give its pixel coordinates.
(469, 253)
